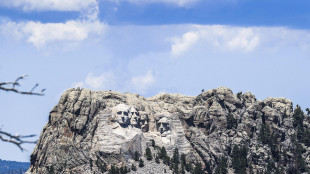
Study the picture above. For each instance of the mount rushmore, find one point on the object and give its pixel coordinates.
(90, 129)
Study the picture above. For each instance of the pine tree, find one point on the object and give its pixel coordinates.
(121, 170)
(153, 143)
(148, 154)
(188, 167)
(133, 167)
(141, 163)
(198, 168)
(166, 160)
(126, 170)
(136, 156)
(183, 159)
(222, 166)
(239, 160)
(182, 168)
(157, 159)
(176, 160)
(231, 122)
(298, 116)
(308, 111)
(114, 170)
(264, 134)
(163, 153)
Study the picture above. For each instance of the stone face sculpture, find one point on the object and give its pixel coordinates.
(120, 114)
(163, 123)
(134, 117)
(144, 121)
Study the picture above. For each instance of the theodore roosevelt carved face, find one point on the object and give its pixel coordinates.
(144, 121)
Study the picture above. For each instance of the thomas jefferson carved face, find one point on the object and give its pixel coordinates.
(134, 117)
(121, 114)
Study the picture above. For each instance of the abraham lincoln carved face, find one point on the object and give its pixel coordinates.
(163, 123)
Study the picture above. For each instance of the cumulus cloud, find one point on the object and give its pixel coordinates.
(142, 83)
(181, 3)
(103, 81)
(70, 32)
(244, 39)
(43, 5)
(40, 34)
(184, 43)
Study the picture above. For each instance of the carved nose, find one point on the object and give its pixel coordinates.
(123, 116)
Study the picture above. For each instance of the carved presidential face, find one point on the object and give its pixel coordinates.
(163, 124)
(144, 121)
(121, 114)
(134, 117)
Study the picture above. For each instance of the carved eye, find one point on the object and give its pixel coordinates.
(137, 113)
(119, 112)
(132, 113)
(126, 113)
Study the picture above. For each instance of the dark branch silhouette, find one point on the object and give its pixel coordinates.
(18, 140)
(11, 87)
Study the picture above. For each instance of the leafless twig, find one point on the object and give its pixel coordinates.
(18, 140)
(11, 87)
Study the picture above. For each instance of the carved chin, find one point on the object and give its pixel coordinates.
(123, 123)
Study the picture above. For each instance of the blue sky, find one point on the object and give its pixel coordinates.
(148, 47)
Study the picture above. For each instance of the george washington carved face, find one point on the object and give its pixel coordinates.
(121, 114)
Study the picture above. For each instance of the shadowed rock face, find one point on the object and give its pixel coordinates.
(106, 126)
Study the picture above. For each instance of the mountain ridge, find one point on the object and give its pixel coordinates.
(91, 129)
(13, 167)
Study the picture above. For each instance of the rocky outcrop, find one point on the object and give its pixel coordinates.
(88, 129)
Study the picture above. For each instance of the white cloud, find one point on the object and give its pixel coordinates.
(181, 3)
(40, 34)
(184, 43)
(69, 33)
(244, 39)
(142, 83)
(103, 81)
(59, 5)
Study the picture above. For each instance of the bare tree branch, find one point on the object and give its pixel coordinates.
(18, 140)
(10, 87)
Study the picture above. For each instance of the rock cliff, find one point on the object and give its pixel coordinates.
(91, 131)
